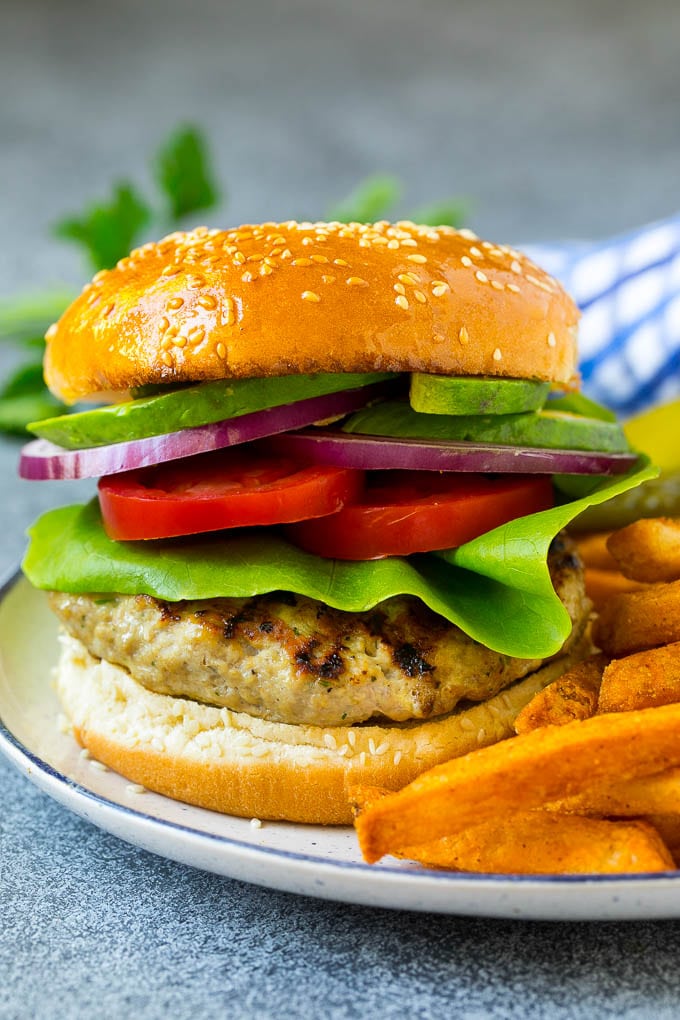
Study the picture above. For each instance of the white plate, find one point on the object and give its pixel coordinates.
(310, 860)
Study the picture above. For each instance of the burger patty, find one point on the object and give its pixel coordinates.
(291, 659)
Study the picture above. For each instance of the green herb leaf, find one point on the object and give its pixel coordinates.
(108, 230)
(370, 200)
(184, 173)
(25, 320)
(496, 588)
(450, 212)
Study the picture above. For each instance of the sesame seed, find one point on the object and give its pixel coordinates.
(180, 341)
(352, 738)
(286, 254)
(307, 240)
(400, 288)
(85, 753)
(340, 262)
(239, 258)
(440, 290)
(362, 759)
(330, 741)
(466, 724)
(98, 765)
(401, 301)
(371, 745)
(135, 788)
(393, 244)
(196, 334)
(164, 324)
(327, 279)
(221, 351)
(397, 757)
(228, 309)
(255, 823)
(466, 260)
(552, 340)
(497, 354)
(513, 287)
(247, 277)
(408, 242)
(166, 358)
(309, 295)
(419, 296)
(356, 281)
(167, 271)
(255, 258)
(463, 335)
(482, 277)
(469, 235)
(206, 301)
(301, 262)
(381, 748)
(497, 285)
(319, 258)
(417, 258)
(109, 308)
(481, 736)
(409, 278)
(265, 270)
(175, 302)
(516, 267)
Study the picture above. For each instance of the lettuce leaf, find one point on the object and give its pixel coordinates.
(496, 588)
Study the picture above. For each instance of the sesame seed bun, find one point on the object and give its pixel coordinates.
(241, 765)
(287, 298)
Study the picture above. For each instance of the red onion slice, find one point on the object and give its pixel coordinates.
(41, 460)
(375, 453)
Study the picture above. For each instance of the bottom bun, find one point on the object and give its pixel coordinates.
(241, 765)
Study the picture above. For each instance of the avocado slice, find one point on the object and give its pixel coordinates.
(184, 408)
(441, 394)
(543, 429)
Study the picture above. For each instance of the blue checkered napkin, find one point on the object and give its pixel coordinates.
(628, 289)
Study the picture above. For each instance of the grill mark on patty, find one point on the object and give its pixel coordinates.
(410, 661)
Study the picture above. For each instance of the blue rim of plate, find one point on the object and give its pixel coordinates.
(18, 754)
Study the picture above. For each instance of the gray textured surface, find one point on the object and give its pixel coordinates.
(560, 119)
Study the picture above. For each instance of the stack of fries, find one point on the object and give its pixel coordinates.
(591, 782)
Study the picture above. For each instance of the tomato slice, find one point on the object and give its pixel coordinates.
(231, 488)
(403, 512)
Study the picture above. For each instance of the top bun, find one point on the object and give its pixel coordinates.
(289, 298)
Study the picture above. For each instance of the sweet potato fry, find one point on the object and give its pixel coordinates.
(594, 552)
(520, 774)
(648, 549)
(655, 794)
(643, 680)
(538, 843)
(668, 827)
(572, 696)
(601, 585)
(637, 620)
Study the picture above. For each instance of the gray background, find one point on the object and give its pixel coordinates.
(556, 120)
